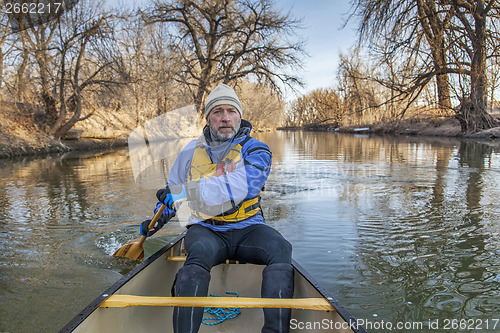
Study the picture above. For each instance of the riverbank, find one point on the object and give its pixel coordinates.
(20, 147)
(19, 137)
(429, 127)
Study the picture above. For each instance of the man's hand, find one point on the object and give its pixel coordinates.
(170, 194)
(144, 227)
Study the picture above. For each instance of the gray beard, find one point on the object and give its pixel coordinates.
(217, 136)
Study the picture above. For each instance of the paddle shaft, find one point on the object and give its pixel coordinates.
(153, 222)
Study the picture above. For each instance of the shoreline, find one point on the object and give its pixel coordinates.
(421, 127)
(40, 144)
(58, 147)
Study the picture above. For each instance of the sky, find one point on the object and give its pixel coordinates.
(325, 38)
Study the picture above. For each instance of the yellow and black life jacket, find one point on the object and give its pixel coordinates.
(202, 166)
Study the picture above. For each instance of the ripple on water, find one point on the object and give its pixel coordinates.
(448, 302)
(109, 244)
(398, 228)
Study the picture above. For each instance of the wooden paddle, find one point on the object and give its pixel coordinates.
(135, 250)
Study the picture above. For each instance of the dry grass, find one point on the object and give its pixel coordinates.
(442, 126)
(107, 124)
(18, 134)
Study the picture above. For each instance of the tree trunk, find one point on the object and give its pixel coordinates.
(473, 114)
(443, 89)
(203, 87)
(199, 102)
(20, 93)
(1, 73)
(48, 100)
(75, 106)
(433, 27)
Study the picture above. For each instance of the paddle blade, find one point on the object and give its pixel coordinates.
(134, 251)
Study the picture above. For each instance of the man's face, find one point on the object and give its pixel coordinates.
(224, 122)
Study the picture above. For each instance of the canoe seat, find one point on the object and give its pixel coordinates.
(176, 258)
(183, 254)
(183, 258)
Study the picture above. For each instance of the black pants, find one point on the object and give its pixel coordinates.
(257, 244)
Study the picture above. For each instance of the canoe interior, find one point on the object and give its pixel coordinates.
(155, 277)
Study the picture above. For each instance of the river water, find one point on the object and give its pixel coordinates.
(404, 232)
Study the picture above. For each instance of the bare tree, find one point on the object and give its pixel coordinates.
(319, 107)
(4, 33)
(433, 22)
(455, 32)
(361, 94)
(470, 37)
(73, 54)
(227, 40)
(37, 42)
(412, 30)
(76, 71)
(493, 73)
(263, 108)
(22, 73)
(152, 69)
(138, 43)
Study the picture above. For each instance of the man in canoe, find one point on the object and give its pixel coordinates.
(221, 175)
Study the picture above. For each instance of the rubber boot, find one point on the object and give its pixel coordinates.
(191, 280)
(277, 282)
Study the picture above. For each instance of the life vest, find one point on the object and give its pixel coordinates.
(202, 166)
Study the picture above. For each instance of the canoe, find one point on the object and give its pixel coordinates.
(141, 300)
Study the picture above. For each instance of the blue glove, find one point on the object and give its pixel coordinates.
(170, 194)
(164, 218)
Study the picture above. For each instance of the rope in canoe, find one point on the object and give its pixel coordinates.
(220, 314)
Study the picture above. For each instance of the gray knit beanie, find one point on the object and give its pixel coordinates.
(222, 94)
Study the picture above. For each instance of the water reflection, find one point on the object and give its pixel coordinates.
(398, 229)
(425, 242)
(49, 209)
